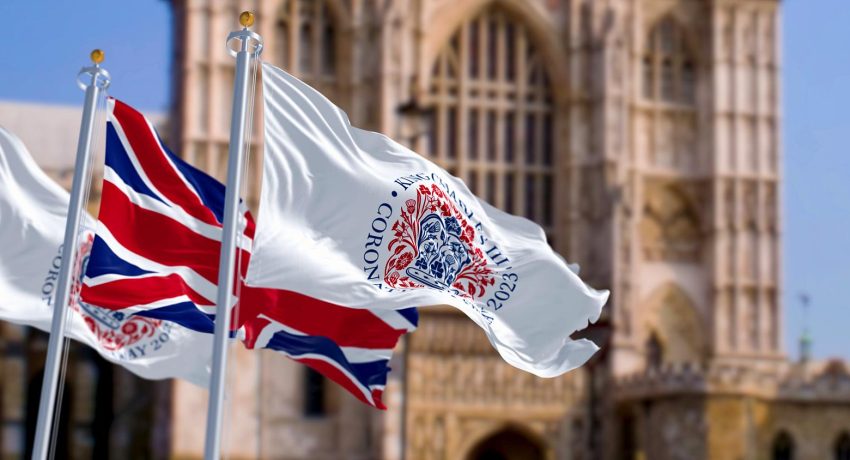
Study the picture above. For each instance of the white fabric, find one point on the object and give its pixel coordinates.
(33, 211)
(331, 195)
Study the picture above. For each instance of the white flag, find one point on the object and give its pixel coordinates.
(33, 211)
(351, 217)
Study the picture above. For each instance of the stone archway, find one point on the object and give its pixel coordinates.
(447, 19)
(674, 330)
(507, 444)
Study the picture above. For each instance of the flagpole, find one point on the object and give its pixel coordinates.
(227, 262)
(98, 82)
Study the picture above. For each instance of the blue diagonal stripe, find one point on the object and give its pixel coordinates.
(367, 374)
(118, 159)
(102, 261)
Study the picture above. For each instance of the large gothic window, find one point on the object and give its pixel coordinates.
(307, 40)
(669, 96)
(493, 121)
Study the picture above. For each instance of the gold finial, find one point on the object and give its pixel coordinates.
(246, 19)
(97, 56)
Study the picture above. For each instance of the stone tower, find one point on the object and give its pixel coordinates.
(697, 226)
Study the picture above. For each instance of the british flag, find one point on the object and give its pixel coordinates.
(155, 256)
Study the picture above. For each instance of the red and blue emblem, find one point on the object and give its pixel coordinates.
(433, 246)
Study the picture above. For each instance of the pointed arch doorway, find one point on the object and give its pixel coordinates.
(507, 444)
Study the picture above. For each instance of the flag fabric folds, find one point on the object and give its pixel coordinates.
(353, 218)
(33, 211)
(156, 253)
(351, 347)
(156, 246)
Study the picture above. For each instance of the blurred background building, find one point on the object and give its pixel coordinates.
(643, 135)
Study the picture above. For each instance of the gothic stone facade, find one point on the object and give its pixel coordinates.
(643, 135)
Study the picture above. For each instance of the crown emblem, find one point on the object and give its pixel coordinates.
(108, 318)
(442, 255)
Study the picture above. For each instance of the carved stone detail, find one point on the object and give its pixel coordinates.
(671, 228)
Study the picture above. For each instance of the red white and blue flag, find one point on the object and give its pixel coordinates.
(154, 261)
(34, 211)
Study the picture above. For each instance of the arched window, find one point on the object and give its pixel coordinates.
(783, 447)
(669, 77)
(673, 328)
(314, 393)
(307, 40)
(493, 121)
(842, 447)
(654, 352)
(668, 68)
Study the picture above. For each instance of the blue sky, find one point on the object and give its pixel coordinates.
(817, 170)
(48, 41)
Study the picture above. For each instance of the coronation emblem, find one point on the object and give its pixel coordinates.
(433, 246)
(114, 329)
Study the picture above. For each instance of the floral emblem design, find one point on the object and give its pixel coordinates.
(114, 329)
(432, 246)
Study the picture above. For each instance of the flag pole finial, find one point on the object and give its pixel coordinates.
(246, 19)
(97, 56)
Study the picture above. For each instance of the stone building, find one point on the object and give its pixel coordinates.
(643, 135)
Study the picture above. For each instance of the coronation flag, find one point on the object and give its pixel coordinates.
(351, 217)
(155, 260)
(33, 211)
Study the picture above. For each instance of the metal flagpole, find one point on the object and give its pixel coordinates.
(404, 394)
(227, 262)
(97, 82)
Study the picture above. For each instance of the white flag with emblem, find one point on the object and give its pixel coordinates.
(33, 211)
(353, 218)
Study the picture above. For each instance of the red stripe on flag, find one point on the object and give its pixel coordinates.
(160, 238)
(251, 226)
(125, 293)
(348, 327)
(159, 170)
(253, 329)
(157, 237)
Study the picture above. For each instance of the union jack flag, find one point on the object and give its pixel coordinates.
(155, 255)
